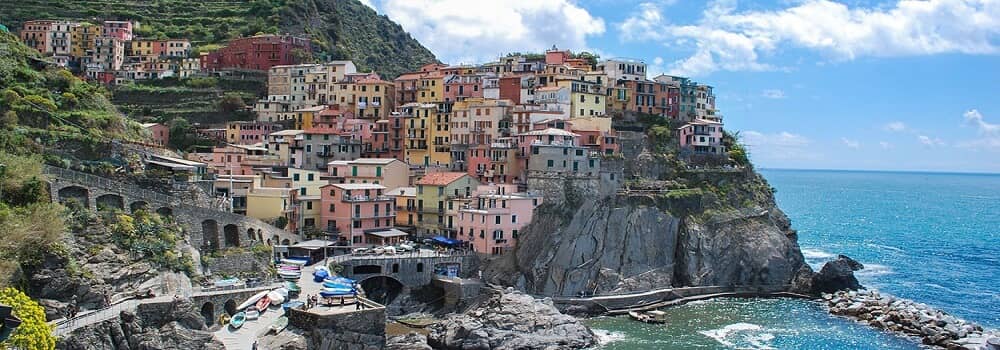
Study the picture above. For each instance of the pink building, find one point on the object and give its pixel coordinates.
(259, 52)
(356, 211)
(249, 132)
(702, 136)
(158, 133)
(117, 29)
(461, 87)
(494, 217)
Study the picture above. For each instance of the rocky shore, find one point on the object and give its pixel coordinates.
(932, 326)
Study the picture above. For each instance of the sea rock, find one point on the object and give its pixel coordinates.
(155, 328)
(511, 320)
(837, 275)
(409, 341)
(289, 339)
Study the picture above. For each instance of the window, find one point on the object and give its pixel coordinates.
(551, 163)
(497, 219)
(310, 177)
(309, 205)
(333, 208)
(513, 234)
(420, 267)
(513, 219)
(356, 224)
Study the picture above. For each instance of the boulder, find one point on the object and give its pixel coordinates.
(837, 275)
(409, 341)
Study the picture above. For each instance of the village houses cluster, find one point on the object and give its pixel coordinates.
(443, 151)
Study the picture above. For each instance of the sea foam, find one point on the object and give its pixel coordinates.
(741, 335)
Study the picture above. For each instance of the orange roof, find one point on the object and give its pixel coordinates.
(440, 179)
(409, 76)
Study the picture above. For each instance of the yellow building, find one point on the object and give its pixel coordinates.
(406, 205)
(477, 121)
(374, 99)
(268, 203)
(435, 193)
(279, 143)
(304, 117)
(145, 49)
(416, 117)
(587, 98)
(430, 89)
(82, 36)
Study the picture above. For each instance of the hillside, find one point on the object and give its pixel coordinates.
(340, 29)
(47, 107)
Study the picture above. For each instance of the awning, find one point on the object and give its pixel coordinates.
(388, 233)
(444, 240)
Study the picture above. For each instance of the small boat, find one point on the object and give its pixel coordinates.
(331, 284)
(319, 268)
(294, 304)
(276, 298)
(238, 319)
(263, 303)
(336, 292)
(295, 261)
(227, 282)
(417, 322)
(289, 268)
(293, 288)
(289, 274)
(252, 313)
(253, 300)
(279, 324)
(653, 316)
(320, 275)
(341, 280)
(283, 291)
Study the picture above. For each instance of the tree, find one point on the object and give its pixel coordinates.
(281, 222)
(33, 333)
(231, 102)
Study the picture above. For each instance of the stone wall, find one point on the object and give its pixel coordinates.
(407, 273)
(356, 330)
(241, 264)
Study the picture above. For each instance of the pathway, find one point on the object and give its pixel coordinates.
(66, 326)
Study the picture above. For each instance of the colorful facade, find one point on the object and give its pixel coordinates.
(259, 52)
(349, 211)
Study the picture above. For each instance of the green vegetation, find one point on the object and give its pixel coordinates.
(45, 106)
(149, 237)
(339, 29)
(31, 226)
(33, 333)
(737, 152)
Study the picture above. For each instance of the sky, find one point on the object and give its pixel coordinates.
(809, 84)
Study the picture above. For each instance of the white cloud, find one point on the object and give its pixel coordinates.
(850, 143)
(990, 133)
(885, 145)
(929, 141)
(368, 3)
(779, 146)
(773, 94)
(727, 39)
(895, 126)
(474, 31)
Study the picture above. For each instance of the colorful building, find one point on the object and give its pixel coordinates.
(82, 39)
(388, 172)
(702, 136)
(122, 30)
(159, 134)
(494, 217)
(350, 211)
(406, 206)
(249, 132)
(35, 34)
(435, 192)
(260, 52)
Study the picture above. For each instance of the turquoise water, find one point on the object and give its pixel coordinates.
(933, 238)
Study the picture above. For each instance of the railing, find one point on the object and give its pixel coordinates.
(363, 198)
(123, 188)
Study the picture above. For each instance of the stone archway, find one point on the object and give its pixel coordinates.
(138, 205)
(232, 235)
(230, 307)
(381, 289)
(208, 312)
(165, 212)
(210, 235)
(110, 201)
(285, 242)
(260, 235)
(74, 193)
(251, 235)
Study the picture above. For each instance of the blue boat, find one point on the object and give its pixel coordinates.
(340, 280)
(227, 282)
(320, 275)
(329, 284)
(331, 292)
(292, 305)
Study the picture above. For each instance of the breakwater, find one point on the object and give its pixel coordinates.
(932, 326)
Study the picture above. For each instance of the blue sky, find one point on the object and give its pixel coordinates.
(848, 84)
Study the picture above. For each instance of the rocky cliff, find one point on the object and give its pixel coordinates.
(173, 325)
(669, 225)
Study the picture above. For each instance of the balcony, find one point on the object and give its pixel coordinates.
(406, 208)
(374, 216)
(363, 198)
(326, 154)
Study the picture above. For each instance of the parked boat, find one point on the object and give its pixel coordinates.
(263, 303)
(293, 288)
(276, 298)
(336, 292)
(279, 324)
(238, 319)
(341, 280)
(294, 304)
(295, 261)
(227, 282)
(653, 316)
(331, 284)
(252, 313)
(253, 300)
(289, 274)
(289, 268)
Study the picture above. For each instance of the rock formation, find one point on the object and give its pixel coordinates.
(511, 320)
(837, 275)
(168, 326)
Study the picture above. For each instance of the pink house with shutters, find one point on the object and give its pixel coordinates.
(494, 217)
(352, 210)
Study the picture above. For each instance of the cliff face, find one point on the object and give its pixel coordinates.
(723, 229)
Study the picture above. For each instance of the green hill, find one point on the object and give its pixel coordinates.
(45, 107)
(340, 29)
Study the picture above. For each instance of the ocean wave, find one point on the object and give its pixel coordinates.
(809, 253)
(872, 270)
(741, 335)
(605, 336)
(885, 247)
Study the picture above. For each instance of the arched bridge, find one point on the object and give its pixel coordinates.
(209, 229)
(411, 269)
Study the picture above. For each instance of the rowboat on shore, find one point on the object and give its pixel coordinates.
(276, 297)
(289, 275)
(227, 282)
(238, 319)
(264, 302)
(252, 300)
(252, 313)
(289, 268)
(653, 316)
(279, 324)
(295, 261)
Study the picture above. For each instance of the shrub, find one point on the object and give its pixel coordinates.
(33, 333)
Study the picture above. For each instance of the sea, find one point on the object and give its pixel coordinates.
(930, 237)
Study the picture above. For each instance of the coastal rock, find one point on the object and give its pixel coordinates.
(289, 339)
(837, 275)
(511, 320)
(409, 341)
(168, 326)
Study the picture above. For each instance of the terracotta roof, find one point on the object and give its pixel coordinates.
(440, 179)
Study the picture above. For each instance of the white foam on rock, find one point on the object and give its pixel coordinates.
(741, 335)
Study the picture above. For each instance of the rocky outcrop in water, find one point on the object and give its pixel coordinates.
(409, 341)
(511, 320)
(932, 326)
(156, 327)
(837, 275)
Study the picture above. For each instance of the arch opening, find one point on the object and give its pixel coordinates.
(208, 312)
(210, 235)
(232, 235)
(382, 289)
(138, 205)
(76, 194)
(110, 201)
(165, 212)
(230, 307)
(251, 235)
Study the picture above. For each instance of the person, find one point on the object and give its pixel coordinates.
(254, 345)
(341, 300)
(357, 304)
